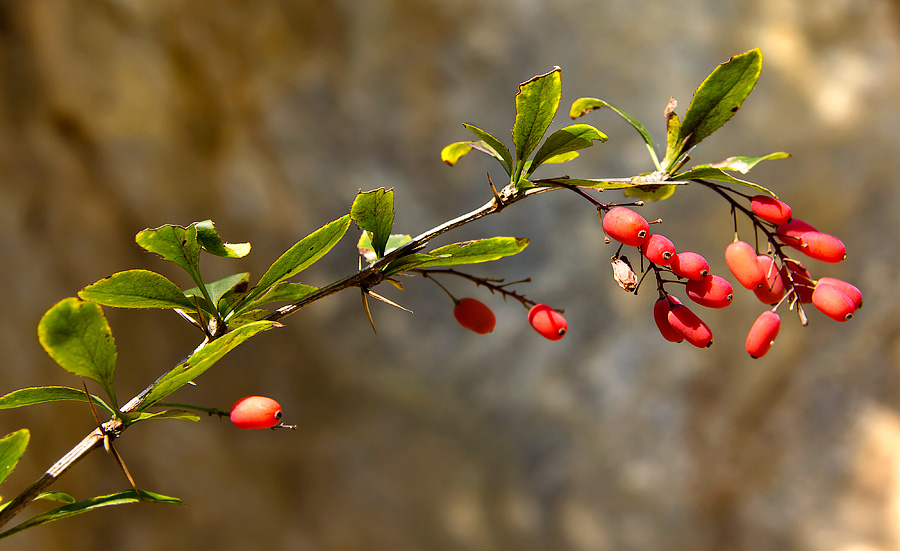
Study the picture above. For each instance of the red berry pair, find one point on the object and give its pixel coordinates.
(676, 322)
(475, 316)
(811, 242)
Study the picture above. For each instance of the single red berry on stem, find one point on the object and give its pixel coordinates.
(822, 246)
(712, 292)
(770, 209)
(762, 334)
(548, 322)
(691, 327)
(474, 315)
(742, 260)
(833, 302)
(690, 265)
(660, 316)
(255, 412)
(626, 226)
(659, 249)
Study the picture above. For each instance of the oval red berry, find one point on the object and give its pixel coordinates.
(742, 260)
(691, 327)
(626, 226)
(660, 316)
(850, 290)
(255, 412)
(712, 292)
(773, 287)
(771, 209)
(474, 315)
(659, 249)
(548, 322)
(833, 302)
(690, 265)
(762, 334)
(822, 246)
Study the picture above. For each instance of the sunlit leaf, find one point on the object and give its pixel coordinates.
(744, 164)
(536, 105)
(218, 289)
(583, 106)
(373, 212)
(201, 360)
(473, 252)
(497, 148)
(566, 140)
(12, 447)
(44, 394)
(209, 239)
(175, 244)
(168, 414)
(706, 172)
(364, 245)
(719, 97)
(452, 153)
(77, 508)
(76, 335)
(136, 289)
(651, 192)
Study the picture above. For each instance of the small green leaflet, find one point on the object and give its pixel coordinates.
(536, 105)
(76, 335)
(175, 244)
(583, 106)
(566, 140)
(706, 172)
(209, 239)
(12, 447)
(744, 164)
(373, 212)
(136, 289)
(473, 252)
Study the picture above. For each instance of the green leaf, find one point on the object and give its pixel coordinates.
(201, 360)
(583, 106)
(76, 335)
(73, 509)
(373, 212)
(364, 245)
(218, 289)
(536, 105)
(566, 140)
(168, 414)
(136, 289)
(175, 244)
(408, 262)
(282, 291)
(744, 164)
(302, 255)
(42, 394)
(673, 128)
(561, 158)
(496, 148)
(209, 239)
(473, 252)
(719, 97)
(60, 497)
(600, 183)
(12, 447)
(706, 172)
(651, 192)
(245, 317)
(452, 153)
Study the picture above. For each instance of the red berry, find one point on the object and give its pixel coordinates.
(822, 246)
(474, 315)
(659, 249)
(548, 322)
(626, 226)
(851, 291)
(789, 233)
(691, 327)
(690, 265)
(742, 260)
(763, 334)
(255, 412)
(833, 302)
(660, 316)
(773, 287)
(712, 292)
(771, 209)
(803, 282)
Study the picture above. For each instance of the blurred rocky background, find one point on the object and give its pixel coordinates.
(267, 117)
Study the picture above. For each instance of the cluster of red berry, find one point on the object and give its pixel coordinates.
(476, 316)
(773, 277)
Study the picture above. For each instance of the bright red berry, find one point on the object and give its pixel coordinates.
(851, 290)
(660, 316)
(712, 292)
(742, 260)
(474, 315)
(771, 209)
(773, 287)
(548, 322)
(691, 327)
(659, 249)
(690, 265)
(626, 226)
(803, 282)
(790, 232)
(255, 412)
(833, 302)
(762, 334)
(822, 246)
